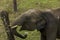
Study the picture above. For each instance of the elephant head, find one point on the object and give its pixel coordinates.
(29, 21)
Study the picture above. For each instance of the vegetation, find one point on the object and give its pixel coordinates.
(24, 5)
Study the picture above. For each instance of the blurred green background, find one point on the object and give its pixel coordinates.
(24, 5)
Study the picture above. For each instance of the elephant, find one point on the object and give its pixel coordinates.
(44, 21)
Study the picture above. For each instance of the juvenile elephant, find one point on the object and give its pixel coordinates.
(43, 21)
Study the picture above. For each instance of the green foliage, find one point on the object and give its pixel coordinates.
(24, 5)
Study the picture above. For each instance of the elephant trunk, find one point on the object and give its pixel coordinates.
(18, 34)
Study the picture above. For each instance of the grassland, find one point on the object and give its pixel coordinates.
(24, 5)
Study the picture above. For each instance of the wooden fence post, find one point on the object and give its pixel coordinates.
(15, 5)
(5, 19)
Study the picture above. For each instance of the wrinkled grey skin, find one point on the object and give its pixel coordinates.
(43, 21)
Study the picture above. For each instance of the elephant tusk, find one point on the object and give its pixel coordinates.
(13, 26)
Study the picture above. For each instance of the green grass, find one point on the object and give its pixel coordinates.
(24, 5)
